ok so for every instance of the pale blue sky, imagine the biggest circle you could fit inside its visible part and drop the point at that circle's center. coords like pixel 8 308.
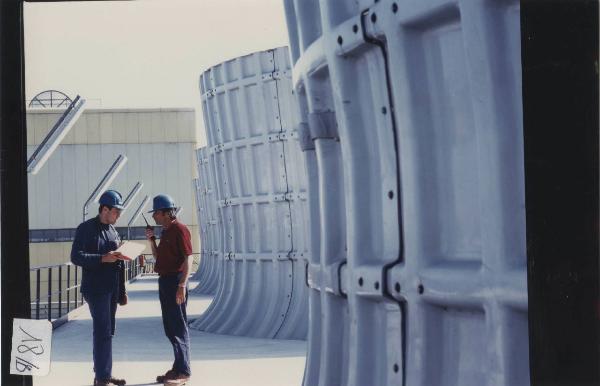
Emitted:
pixel 145 53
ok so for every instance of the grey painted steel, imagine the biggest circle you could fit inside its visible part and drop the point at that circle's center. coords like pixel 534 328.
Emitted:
pixel 411 129
pixel 131 195
pixel 136 214
pixel 207 273
pixel 258 183
pixel 104 183
pixel 55 135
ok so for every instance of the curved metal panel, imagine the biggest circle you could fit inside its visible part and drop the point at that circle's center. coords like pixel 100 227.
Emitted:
pixel 260 197
pixel 207 273
pixel 411 130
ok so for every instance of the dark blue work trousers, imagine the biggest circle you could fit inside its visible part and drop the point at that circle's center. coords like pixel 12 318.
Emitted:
pixel 174 319
pixel 103 307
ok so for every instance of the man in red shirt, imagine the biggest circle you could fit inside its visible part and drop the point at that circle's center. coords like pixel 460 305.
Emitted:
pixel 173 265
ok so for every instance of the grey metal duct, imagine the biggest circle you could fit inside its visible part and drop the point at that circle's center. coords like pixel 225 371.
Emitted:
pixel 412 136
pixel 259 190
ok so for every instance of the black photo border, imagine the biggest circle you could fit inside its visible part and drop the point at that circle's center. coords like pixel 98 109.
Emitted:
pixel 559 48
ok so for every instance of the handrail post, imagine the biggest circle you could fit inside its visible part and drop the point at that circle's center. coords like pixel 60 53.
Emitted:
pixel 37 293
pixel 68 288
pixel 82 300
pixel 59 291
pixel 81 295
pixel 49 306
pixel 76 288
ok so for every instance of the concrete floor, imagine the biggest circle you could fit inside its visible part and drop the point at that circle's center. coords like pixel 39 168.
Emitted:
pixel 141 351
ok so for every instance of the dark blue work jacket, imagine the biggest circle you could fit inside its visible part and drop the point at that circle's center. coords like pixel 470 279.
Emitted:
pixel 93 240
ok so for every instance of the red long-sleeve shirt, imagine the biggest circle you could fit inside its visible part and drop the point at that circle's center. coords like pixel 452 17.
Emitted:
pixel 173 249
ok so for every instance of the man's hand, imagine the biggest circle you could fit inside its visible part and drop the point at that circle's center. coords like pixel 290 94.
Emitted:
pixel 150 234
pixel 113 256
pixel 180 296
pixel 123 300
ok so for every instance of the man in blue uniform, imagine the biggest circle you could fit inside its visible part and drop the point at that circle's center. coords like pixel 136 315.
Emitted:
pixel 94 249
pixel 173 264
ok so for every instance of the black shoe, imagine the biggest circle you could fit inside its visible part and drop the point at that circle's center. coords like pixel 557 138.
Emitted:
pixel 101 382
pixel 117 381
pixel 177 379
pixel 169 374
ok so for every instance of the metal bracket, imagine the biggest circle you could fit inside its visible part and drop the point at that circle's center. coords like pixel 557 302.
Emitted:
pixel 328 279
pixel 322 125
pixel 279 197
pixel 276 137
pixel 304 138
pixel 368 280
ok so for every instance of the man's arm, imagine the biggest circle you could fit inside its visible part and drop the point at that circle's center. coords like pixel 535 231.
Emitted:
pixel 78 254
pixel 152 240
pixel 187 267
pixel 87 259
pixel 185 246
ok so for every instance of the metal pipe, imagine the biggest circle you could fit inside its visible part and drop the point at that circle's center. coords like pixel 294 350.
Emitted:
pixel 68 288
pixel 105 182
pixel 55 135
pixel 59 291
pixel 37 293
pixel 136 215
pixel 76 288
pixel 136 189
pixel 49 306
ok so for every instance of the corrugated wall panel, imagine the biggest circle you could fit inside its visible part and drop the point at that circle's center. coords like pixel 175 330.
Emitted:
pixel 414 125
pixel 61 188
pixel 58 191
pixel 118 126
pixel 262 290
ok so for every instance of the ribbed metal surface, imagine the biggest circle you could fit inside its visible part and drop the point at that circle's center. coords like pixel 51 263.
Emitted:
pixel 117 126
pixel 210 227
pixel 259 190
pixel 411 127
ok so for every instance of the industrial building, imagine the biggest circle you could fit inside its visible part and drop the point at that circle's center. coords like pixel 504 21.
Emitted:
pixel 159 145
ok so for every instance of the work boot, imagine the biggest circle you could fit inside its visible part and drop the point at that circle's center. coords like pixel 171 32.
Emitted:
pixel 117 381
pixel 101 382
pixel 177 380
pixel 169 374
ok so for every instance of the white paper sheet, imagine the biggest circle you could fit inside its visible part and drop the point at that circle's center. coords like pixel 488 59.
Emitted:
pixel 31 347
pixel 131 249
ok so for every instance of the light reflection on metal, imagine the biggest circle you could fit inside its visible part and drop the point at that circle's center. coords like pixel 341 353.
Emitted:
pixel 105 182
pixel 136 189
pixel 55 135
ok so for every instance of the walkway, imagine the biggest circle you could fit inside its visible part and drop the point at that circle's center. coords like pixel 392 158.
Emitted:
pixel 141 351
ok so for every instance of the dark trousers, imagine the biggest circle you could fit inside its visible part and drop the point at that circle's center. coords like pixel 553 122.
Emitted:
pixel 103 308
pixel 174 318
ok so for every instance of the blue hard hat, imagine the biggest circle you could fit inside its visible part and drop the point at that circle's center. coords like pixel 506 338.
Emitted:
pixel 162 201
pixel 111 198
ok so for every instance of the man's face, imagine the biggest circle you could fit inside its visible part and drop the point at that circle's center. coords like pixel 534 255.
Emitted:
pixel 111 215
pixel 159 217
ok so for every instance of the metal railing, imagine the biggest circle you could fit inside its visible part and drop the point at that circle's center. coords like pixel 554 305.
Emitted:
pixel 62 292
